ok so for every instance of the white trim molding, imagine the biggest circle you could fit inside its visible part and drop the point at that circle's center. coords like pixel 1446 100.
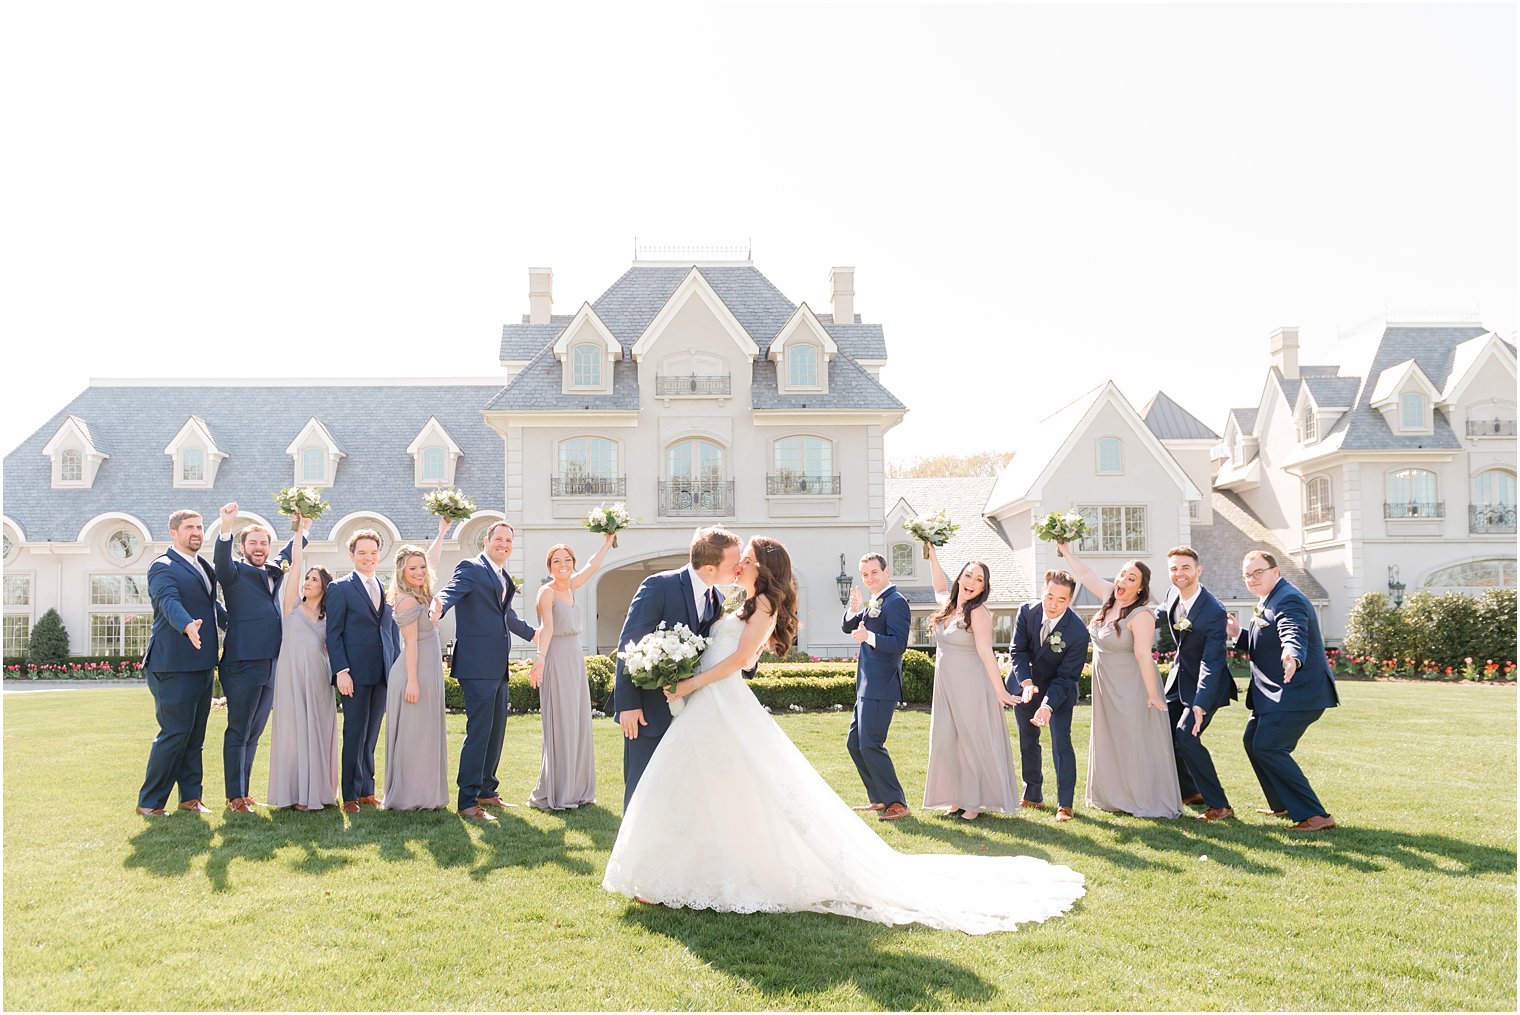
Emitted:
pixel 695 287
pixel 74 435
pixel 315 435
pixel 195 435
pixel 431 437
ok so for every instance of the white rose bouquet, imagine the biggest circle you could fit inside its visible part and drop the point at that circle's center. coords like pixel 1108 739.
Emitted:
pixel 301 500
pixel 663 658
pixel 604 519
pixel 450 504
pixel 1058 527
pixel 935 528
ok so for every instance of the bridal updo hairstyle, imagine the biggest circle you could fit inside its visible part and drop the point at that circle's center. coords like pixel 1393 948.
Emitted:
pixel 1141 598
pixel 774 581
pixel 948 610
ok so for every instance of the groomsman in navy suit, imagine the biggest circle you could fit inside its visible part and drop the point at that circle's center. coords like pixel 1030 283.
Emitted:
pixel 179 665
pixel 880 626
pixel 1049 649
pixel 689 596
pixel 1199 683
pixel 1291 686
pixel 249 648
pixel 362 642
pixel 482 591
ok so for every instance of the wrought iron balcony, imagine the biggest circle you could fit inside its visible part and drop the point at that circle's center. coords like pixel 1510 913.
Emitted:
pixel 1415 509
pixel 1490 428
pixel 796 482
pixel 696 497
pixel 1319 516
pixel 693 385
pixel 588 486
pixel 1490 518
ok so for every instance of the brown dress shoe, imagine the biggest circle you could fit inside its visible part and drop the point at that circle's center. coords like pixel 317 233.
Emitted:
pixel 1269 812
pixel 1063 814
pixel 351 806
pixel 477 812
pixel 195 806
pixel 1032 803
pixel 238 805
pixel 871 807
pixel 493 801
pixel 151 812
pixel 251 802
pixel 370 799
pixel 1216 813
pixel 1317 823
pixel 892 812
pixel 1196 798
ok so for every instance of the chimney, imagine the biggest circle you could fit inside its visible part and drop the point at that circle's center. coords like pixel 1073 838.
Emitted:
pixel 1282 344
pixel 842 281
pixel 540 295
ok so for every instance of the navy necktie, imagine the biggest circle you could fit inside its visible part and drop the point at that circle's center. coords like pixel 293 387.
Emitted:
pixel 710 612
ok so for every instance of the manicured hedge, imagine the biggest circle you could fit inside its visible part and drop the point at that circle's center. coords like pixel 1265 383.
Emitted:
pixel 1449 636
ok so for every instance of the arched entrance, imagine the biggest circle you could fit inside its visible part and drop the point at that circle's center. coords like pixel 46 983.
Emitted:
pixel 612 591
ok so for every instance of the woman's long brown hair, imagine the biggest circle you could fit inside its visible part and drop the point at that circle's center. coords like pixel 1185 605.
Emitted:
pixel 775 582
pixel 948 610
pixel 1141 598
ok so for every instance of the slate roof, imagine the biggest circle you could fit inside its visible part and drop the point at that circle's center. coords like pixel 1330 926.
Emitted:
pixel 373 422
pixel 1171 422
pixel 1245 420
pixel 962 498
pixel 1334 391
pixel 630 303
pixel 1364 428
pixel 1235 532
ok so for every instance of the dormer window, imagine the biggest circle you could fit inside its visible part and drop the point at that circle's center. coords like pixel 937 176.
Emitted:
pixel 192 466
pixel 75 455
pixel 434 455
pixel 1412 411
pixel 586 365
pixel 1110 456
pixel 802 351
pixel 433 463
pixel 315 455
pixel 194 455
pixel 1308 425
pixel 313 466
pixel 802 363
pixel 71 466
pixel 586 351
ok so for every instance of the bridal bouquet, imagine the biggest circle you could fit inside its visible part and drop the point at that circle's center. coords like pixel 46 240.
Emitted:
pixel 604 519
pixel 303 501
pixel 663 658
pixel 450 504
pixel 935 528
pixel 1061 528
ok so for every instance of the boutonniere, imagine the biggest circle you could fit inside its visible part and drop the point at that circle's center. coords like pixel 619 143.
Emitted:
pixel 1183 625
pixel 1056 642
pixel 873 607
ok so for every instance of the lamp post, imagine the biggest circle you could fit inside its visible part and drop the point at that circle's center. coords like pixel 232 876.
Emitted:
pixel 1395 587
pixel 845 583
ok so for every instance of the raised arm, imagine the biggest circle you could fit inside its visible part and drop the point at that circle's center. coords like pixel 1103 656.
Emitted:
pixel 221 554
pixel 1142 627
pixel 1084 573
pixel 941 586
pixel 435 548
pixel 593 565
pixel 295 578
pixel 756 630
pixel 981 636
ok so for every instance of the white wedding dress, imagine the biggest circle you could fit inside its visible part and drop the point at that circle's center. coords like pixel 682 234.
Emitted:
pixel 730 816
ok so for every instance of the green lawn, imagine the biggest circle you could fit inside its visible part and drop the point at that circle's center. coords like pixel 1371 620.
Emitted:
pixel 1409 905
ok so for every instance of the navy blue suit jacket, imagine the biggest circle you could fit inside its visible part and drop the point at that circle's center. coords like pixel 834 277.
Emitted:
pixel 360 639
pixel 254 624
pixel 667 597
pixel 483 622
pixel 878 671
pixel 179 597
pixel 1200 672
pixel 1287 622
pixel 1058 674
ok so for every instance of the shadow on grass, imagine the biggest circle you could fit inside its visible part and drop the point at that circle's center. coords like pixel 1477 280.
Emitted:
pixel 523 837
pixel 802 954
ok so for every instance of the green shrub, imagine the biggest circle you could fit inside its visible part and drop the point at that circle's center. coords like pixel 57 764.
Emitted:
pixel 1374 629
pixel 1494 626
pixel 823 690
pixel 917 677
pixel 49 643
pixel 1433 635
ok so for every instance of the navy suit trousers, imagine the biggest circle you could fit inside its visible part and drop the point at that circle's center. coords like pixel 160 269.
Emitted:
pixel 1269 741
pixel 182 703
pixel 1195 767
pixel 867 744
pixel 485 726
pixel 249 687
pixel 1062 755
pixel 362 714
pixel 636 755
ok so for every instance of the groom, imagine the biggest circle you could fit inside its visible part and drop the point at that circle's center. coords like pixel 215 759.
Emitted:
pixel 689 596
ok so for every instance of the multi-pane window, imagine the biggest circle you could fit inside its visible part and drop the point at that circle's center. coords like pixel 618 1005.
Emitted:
pixel 902 559
pixel 433 462
pixel 1412 411
pixel 1413 491
pixel 1318 505
pixel 588 458
pixel 313 465
pixel 696 460
pixel 18 613
pixel 120 615
pixel 18 590
pixel 1114 528
pixel 1110 456
pixel 16 634
pixel 1475 574
pixel 803 365
pixel 192 465
pixel 122 544
pixel 1002 628
pixel 805 456
pixel 1309 425
pixel 71 465
pixel 586 365
pixel 1494 489
pixel 9 546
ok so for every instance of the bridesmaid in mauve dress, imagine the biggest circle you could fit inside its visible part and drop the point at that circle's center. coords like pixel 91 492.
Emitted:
pixel 970 761
pixel 567 772
pixel 416 742
pixel 1131 764
pixel 303 762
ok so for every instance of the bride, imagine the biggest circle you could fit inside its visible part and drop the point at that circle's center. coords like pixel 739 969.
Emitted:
pixel 730 815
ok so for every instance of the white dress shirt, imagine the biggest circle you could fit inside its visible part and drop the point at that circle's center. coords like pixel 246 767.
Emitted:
pixel 878 596
pixel 699 589
pixel 195 562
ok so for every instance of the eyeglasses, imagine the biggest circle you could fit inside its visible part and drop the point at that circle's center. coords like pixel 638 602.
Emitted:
pixel 1251 576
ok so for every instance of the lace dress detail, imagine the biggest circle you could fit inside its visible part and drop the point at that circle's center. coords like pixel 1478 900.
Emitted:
pixel 730 816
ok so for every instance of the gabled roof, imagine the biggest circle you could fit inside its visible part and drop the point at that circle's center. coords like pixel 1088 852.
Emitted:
pixel 539 387
pixel 1394 379
pixel 850 387
pixel 1433 350
pixel 585 320
pixel 73 424
pixel 695 286
pixel 979 538
pixel 252 424
pixel 1171 422
pixel 802 321
pixel 320 430
pixel 1333 392
pixel 1235 532
pixel 434 427
pixel 1245 420
pixel 1466 357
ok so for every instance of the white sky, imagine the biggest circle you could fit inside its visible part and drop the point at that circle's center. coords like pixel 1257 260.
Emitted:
pixel 1035 198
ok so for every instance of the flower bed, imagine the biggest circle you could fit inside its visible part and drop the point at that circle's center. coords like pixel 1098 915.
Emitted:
pixel 76 669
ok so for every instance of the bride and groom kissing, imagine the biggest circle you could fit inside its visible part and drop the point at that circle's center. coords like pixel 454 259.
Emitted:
pixel 722 811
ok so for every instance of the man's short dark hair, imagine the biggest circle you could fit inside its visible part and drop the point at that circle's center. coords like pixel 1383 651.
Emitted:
pixel 880 560
pixel 1264 555
pixel 1062 578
